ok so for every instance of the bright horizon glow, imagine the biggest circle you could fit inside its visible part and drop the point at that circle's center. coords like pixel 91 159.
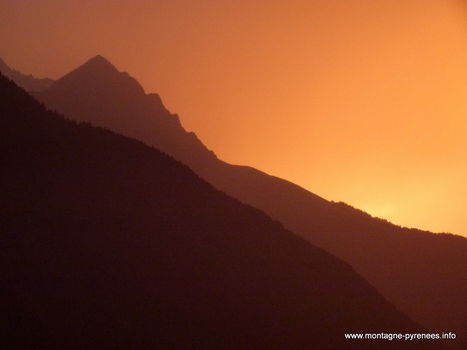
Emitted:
pixel 359 101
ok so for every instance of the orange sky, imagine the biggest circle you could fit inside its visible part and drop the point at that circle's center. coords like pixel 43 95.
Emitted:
pixel 359 101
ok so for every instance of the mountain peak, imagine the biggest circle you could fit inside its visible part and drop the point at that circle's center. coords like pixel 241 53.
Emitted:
pixel 99 60
pixel 99 64
pixel 99 76
pixel 98 92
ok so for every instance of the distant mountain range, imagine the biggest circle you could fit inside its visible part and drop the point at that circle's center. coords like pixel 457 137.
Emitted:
pixel 28 82
pixel 420 272
pixel 107 243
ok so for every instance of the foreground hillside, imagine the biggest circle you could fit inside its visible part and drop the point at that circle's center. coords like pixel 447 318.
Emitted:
pixel 420 272
pixel 107 243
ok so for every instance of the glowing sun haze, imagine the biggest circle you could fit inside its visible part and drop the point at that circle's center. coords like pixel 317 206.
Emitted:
pixel 359 101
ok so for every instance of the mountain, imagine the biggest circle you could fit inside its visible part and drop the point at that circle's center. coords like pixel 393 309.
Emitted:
pixel 115 96
pixel 28 82
pixel 417 271
pixel 107 243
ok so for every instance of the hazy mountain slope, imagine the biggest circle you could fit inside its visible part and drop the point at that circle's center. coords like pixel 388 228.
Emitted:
pixel 429 268
pixel 108 243
pixel 28 82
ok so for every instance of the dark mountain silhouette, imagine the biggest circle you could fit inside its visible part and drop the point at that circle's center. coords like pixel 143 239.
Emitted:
pixel 420 272
pixel 28 82
pixel 107 243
